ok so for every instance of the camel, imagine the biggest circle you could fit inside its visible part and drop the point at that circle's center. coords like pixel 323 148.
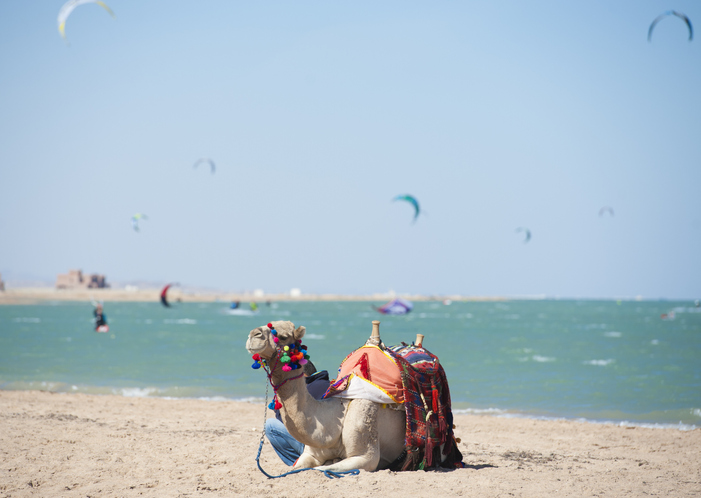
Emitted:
pixel 338 434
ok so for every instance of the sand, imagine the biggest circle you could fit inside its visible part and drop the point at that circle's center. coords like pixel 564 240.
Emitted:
pixel 86 445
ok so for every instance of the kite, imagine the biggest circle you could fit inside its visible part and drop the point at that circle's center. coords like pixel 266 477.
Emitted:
pixel 412 200
pixel 68 8
pixel 528 233
pixel 395 307
pixel 606 209
pixel 135 220
pixel 205 160
pixel 671 13
pixel 164 298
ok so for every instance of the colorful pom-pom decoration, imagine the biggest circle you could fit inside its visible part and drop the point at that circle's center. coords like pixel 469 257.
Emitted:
pixel 278 405
pixel 256 357
pixel 276 340
pixel 255 366
pixel 270 325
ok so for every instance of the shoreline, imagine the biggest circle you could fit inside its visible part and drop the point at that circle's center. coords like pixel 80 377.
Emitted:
pixel 36 295
pixel 146 393
pixel 78 445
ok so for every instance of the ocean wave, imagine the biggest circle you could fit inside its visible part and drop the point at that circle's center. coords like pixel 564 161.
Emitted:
pixel 687 310
pixel 27 320
pixel 320 337
pixel 624 423
pixel 613 334
pixel 479 411
pixel 599 363
pixel 181 321
pixel 542 359
pixel 135 392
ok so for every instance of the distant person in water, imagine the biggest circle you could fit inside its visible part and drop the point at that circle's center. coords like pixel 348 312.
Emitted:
pixel 234 304
pixel 254 306
pixel 100 318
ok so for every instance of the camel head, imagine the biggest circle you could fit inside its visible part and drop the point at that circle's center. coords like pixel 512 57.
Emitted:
pixel 261 341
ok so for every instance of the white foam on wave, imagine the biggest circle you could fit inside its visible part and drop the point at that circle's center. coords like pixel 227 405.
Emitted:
pixel 542 359
pixel 696 412
pixel 181 321
pixel 687 310
pixel 320 337
pixel 647 425
pixel 480 411
pixel 654 342
pixel 613 333
pixel 599 363
pixel 135 392
pixel 27 320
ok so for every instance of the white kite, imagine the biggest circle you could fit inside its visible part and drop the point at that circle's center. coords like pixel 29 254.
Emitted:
pixel 68 8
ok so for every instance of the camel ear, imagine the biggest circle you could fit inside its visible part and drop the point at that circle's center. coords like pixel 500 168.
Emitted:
pixel 299 332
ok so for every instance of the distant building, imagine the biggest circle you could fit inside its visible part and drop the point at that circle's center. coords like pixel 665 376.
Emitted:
pixel 75 279
pixel 2 284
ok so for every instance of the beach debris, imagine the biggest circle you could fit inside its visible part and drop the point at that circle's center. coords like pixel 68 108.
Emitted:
pixel 135 220
pixel 527 233
pixel 411 200
pixel 164 295
pixel 205 160
pixel 68 8
pixel 681 16
pixel 395 307
pixel 606 209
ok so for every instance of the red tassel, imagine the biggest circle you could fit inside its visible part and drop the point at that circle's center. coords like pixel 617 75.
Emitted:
pixel 442 427
pixel 428 453
pixel 278 405
pixel 364 367
pixel 434 395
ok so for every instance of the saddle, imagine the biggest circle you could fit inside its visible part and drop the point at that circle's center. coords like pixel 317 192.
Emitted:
pixel 411 378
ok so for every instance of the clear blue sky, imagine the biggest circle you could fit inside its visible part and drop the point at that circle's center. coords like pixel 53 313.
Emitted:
pixel 495 115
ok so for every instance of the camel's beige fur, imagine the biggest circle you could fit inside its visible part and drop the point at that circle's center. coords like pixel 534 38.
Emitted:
pixel 338 434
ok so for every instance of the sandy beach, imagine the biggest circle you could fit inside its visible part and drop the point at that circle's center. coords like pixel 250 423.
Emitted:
pixel 83 445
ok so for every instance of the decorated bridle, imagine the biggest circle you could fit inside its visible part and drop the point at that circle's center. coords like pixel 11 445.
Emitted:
pixel 292 356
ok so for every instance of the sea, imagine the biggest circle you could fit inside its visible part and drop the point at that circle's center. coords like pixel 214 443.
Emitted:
pixel 618 362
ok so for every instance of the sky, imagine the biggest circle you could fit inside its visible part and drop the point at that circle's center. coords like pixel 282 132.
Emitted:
pixel 495 115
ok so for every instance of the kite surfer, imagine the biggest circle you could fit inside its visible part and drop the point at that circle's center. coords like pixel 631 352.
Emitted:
pixel 254 306
pixel 100 319
pixel 235 304
pixel 395 307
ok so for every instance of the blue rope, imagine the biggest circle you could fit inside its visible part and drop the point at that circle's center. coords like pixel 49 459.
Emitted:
pixel 328 473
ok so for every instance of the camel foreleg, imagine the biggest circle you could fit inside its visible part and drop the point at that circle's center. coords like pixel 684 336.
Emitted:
pixel 360 439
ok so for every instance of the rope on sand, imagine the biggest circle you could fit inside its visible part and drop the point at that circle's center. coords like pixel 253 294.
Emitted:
pixel 328 473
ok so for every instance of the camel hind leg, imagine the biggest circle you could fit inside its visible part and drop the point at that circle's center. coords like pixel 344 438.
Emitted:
pixel 360 438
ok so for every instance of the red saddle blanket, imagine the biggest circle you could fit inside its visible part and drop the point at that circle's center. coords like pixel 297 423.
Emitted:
pixel 412 376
